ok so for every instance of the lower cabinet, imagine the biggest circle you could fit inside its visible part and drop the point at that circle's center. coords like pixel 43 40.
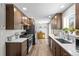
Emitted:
pixel 56 49
pixel 16 49
pixel 49 41
pixel 53 48
pixel 64 53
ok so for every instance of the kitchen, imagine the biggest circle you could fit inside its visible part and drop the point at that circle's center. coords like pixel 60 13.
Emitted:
pixel 20 33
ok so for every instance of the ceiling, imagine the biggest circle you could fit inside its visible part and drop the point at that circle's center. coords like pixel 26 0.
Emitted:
pixel 42 10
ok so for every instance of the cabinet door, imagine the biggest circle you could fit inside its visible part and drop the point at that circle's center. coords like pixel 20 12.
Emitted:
pixel 24 48
pixel 57 21
pixel 58 50
pixel 53 47
pixel 17 19
pixel 13 49
pixel 9 17
pixel 77 16
pixel 49 41
pixel 64 53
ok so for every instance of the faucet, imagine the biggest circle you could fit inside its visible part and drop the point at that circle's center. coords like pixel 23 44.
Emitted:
pixel 9 38
pixel 16 35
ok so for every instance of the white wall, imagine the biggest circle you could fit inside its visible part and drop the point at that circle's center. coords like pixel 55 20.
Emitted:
pixel 2 42
pixel 2 16
pixel 44 28
pixel 43 23
pixel 2 31
pixel 66 15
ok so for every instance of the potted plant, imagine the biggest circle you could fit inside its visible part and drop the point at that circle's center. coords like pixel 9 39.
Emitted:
pixel 66 30
pixel 66 33
pixel 72 30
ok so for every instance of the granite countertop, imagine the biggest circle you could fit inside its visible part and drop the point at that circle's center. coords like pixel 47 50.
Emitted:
pixel 11 33
pixel 19 40
pixel 70 48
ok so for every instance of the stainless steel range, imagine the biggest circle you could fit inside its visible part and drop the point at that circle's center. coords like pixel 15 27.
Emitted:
pixel 29 41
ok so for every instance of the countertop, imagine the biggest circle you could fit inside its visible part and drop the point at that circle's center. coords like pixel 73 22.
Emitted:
pixel 70 48
pixel 19 40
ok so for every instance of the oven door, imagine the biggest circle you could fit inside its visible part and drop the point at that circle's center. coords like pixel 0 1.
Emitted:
pixel 29 43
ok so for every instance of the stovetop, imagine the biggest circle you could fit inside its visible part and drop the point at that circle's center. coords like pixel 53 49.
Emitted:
pixel 26 36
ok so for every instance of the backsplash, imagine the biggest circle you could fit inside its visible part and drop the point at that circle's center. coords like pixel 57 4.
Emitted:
pixel 57 32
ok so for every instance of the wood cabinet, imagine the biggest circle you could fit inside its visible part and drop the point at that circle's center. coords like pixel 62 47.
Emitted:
pixel 56 49
pixel 64 52
pixel 77 15
pixel 28 24
pixel 16 49
pixel 53 48
pixel 40 35
pixel 57 21
pixel 49 42
pixel 17 19
pixel 9 16
pixel 13 17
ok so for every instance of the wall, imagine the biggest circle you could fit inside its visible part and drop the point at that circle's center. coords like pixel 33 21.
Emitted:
pixel 2 42
pixel 66 16
pixel 42 27
pixel 43 23
pixel 2 29
pixel 50 30
pixel 2 16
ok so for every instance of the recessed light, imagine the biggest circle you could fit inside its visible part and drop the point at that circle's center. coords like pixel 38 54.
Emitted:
pixel 55 16
pixel 24 17
pixel 62 6
pixel 24 8
pixel 14 9
pixel 49 16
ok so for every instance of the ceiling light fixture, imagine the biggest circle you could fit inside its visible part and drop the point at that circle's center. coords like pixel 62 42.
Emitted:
pixel 62 6
pixel 14 9
pixel 55 16
pixel 24 17
pixel 24 8
pixel 49 16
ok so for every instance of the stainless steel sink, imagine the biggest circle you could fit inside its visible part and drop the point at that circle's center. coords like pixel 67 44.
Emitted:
pixel 63 41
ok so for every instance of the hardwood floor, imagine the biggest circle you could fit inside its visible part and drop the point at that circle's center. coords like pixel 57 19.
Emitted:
pixel 41 49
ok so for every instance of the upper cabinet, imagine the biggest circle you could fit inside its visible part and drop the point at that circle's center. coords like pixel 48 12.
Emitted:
pixel 15 19
pixel 27 24
pixel 57 21
pixel 77 15
pixel 9 16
